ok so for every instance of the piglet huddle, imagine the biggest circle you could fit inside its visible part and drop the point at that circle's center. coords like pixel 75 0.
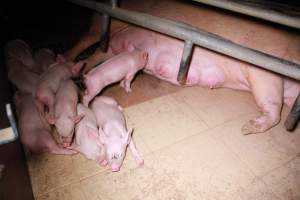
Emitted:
pixel 47 98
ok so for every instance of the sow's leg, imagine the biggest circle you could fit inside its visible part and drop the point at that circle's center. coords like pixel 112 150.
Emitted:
pixel 267 89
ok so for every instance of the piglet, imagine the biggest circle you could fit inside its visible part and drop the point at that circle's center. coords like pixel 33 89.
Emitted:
pixel 25 80
pixel 50 81
pixel 20 50
pixel 113 132
pixel 35 132
pixel 86 138
pixel 65 111
pixel 44 58
pixel 122 68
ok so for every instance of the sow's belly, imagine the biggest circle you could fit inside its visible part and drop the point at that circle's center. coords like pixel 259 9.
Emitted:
pixel 206 67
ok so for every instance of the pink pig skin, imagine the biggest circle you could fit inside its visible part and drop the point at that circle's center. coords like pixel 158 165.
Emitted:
pixel 25 80
pixel 113 132
pixel 210 69
pixel 44 58
pixel 122 67
pixel 213 70
pixel 50 81
pixel 20 50
pixel 35 132
pixel 65 111
pixel 86 138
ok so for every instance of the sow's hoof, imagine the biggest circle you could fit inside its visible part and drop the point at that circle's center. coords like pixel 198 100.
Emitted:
pixel 259 125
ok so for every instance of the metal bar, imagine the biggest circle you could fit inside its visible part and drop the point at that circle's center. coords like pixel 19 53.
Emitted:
pixel 199 37
pixel 294 115
pixel 10 133
pixel 255 11
pixel 185 62
pixel 104 35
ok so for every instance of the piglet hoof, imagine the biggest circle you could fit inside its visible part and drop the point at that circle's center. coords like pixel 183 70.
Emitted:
pixel 140 163
pixel 103 163
pixel 66 145
pixel 120 108
pixel 127 90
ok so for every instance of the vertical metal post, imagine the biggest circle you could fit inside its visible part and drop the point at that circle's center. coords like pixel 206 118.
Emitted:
pixel 294 115
pixel 104 35
pixel 185 62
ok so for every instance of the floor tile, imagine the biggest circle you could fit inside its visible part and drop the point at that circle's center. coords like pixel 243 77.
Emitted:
pixel 202 168
pixel 69 192
pixel 261 152
pixel 49 172
pixel 285 180
pixel 217 106
pixel 163 121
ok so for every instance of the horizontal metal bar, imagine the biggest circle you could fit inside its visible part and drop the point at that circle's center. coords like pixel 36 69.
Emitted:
pixel 255 11
pixel 199 37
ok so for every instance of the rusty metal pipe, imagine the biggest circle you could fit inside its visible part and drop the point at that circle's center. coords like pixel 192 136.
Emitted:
pixel 185 62
pixel 294 115
pixel 255 11
pixel 199 37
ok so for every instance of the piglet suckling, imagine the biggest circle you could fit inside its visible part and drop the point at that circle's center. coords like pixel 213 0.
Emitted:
pixel 113 132
pixel 86 139
pixel 51 80
pixel 122 67
pixel 35 132
pixel 65 111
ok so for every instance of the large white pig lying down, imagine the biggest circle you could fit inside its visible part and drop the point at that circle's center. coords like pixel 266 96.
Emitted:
pixel 50 81
pixel 35 132
pixel 122 67
pixel 213 70
pixel 86 140
pixel 65 111
pixel 113 132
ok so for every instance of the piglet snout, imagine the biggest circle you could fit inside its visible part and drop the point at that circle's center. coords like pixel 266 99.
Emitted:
pixel 115 168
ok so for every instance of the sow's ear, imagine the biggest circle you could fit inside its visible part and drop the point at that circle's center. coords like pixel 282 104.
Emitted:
pixel 127 137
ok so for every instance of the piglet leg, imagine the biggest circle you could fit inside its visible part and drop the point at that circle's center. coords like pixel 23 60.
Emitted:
pixel 126 83
pixel 267 89
pixel 139 160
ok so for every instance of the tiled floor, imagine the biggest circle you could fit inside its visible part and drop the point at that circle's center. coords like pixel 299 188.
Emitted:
pixel 193 149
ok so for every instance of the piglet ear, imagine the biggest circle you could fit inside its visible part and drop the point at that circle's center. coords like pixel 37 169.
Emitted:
pixel 102 136
pixel 127 137
pixel 50 118
pixel 77 67
pixel 77 118
pixel 60 58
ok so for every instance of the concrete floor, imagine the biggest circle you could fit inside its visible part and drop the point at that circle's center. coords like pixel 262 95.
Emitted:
pixel 193 149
